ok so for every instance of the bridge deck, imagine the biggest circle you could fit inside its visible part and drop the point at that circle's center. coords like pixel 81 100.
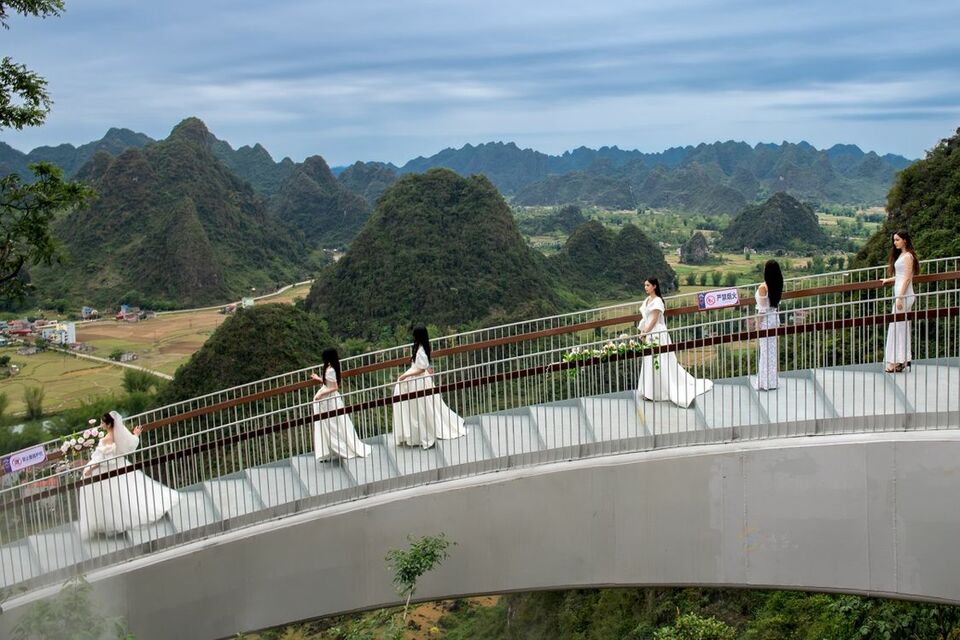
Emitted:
pixel 808 402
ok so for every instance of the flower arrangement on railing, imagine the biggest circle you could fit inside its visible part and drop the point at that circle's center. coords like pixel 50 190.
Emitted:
pixel 610 349
pixel 75 445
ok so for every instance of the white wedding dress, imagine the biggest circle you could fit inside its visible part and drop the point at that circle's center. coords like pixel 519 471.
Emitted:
pixel 669 381
pixel 122 502
pixel 335 436
pixel 767 363
pixel 420 421
pixel 899 349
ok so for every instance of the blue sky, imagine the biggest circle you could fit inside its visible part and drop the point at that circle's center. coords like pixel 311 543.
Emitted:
pixel 393 80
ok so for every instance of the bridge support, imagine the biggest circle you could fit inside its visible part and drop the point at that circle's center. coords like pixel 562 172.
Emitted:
pixel 869 514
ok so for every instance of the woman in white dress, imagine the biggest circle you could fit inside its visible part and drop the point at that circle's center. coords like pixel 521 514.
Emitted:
pixel 125 501
pixel 768 297
pixel 334 436
pixel 668 381
pixel 901 268
pixel 418 422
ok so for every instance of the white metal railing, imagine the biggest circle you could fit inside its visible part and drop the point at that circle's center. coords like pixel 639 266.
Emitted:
pixel 523 409
pixel 251 399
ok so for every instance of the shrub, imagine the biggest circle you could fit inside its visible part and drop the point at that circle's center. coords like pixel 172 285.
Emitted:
pixel 33 398
pixel 136 380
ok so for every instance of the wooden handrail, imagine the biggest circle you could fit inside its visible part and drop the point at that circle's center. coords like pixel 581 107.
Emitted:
pixel 553 367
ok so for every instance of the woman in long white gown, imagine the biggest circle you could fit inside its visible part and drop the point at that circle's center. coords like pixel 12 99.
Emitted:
pixel 902 267
pixel 125 501
pixel 665 379
pixel 420 421
pixel 768 297
pixel 334 436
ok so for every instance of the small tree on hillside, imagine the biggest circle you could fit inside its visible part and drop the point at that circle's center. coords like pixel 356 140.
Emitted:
pixel 33 398
pixel 716 277
pixel 409 565
pixel 703 279
pixel 137 381
pixel 691 626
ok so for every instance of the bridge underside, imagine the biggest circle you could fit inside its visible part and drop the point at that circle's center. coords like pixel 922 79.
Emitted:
pixel 821 401
pixel 869 514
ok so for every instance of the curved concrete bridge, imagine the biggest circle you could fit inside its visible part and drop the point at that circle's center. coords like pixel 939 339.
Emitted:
pixel 842 479
pixel 868 513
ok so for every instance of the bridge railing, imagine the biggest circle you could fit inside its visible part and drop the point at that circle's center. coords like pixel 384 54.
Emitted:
pixel 466 349
pixel 531 408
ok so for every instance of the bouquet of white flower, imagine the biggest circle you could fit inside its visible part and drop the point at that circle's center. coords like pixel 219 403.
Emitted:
pixel 73 446
pixel 611 349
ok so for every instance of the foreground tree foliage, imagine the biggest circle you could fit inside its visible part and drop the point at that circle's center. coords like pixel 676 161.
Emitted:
pixel 26 210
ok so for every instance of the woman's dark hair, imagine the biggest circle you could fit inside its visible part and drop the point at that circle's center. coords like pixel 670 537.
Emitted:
pixel 774 279
pixel 420 339
pixel 656 286
pixel 895 253
pixel 107 419
pixel 330 359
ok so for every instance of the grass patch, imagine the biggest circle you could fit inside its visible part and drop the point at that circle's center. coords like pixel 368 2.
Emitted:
pixel 67 381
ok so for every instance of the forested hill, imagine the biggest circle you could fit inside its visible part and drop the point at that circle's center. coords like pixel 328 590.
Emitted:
pixel 925 200
pixel 438 249
pixel 368 179
pixel 171 226
pixel 782 222
pixel 597 263
pixel 68 157
pixel 253 164
pixel 323 211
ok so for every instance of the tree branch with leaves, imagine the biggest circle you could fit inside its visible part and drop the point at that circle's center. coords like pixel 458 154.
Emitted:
pixel 409 565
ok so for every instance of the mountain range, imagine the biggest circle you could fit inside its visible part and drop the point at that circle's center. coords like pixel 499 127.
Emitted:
pixel 718 177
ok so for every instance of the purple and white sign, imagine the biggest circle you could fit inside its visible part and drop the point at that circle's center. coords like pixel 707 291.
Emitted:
pixel 718 298
pixel 25 458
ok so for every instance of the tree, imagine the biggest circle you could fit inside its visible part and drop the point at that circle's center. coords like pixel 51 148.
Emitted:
pixel 423 555
pixel 691 626
pixel 26 210
pixel 23 95
pixel 69 614
pixel 730 279
pixel 138 381
pixel 716 277
pixel 33 398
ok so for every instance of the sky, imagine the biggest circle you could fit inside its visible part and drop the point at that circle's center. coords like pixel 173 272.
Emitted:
pixel 390 81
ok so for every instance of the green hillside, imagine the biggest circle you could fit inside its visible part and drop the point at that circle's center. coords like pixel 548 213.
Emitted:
pixel 438 249
pixel 252 344
pixel 368 179
pixel 926 201
pixel 598 263
pixel 171 227
pixel 313 203
pixel 782 222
